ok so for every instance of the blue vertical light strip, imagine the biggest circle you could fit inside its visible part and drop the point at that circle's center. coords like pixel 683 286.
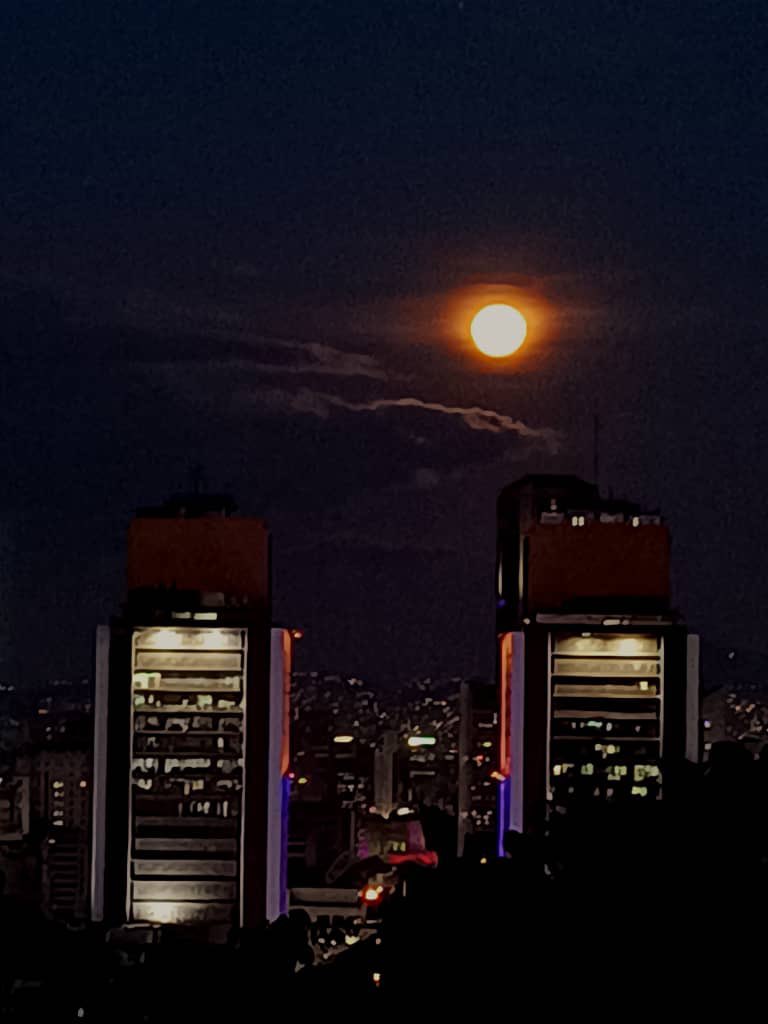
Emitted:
pixel 284 818
pixel 503 813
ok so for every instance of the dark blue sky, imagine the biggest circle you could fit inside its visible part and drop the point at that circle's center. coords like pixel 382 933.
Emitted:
pixel 227 227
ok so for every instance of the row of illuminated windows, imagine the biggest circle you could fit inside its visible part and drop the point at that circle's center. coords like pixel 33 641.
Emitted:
pixel 553 517
pixel 187 743
pixel 614 772
pixel 170 763
pixel 186 683
pixel 201 702
pixel 183 639
pixel 608 792
pixel 180 723
pixel 208 807
pixel 630 731
pixel 606 644
pixel 185 787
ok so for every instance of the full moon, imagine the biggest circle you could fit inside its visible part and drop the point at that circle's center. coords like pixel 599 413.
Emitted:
pixel 498 330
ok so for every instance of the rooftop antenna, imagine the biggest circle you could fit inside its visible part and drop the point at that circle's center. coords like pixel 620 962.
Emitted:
pixel 596 449
pixel 197 478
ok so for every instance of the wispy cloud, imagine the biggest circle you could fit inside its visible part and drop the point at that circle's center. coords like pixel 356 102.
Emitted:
pixel 219 336
pixel 475 417
pixel 322 360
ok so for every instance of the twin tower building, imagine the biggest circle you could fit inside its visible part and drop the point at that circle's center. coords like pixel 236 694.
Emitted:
pixel 597 694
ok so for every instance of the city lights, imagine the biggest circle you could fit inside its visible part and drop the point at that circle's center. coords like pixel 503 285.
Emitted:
pixel 422 741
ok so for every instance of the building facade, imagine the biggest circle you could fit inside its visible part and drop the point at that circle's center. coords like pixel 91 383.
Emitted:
pixel 61 797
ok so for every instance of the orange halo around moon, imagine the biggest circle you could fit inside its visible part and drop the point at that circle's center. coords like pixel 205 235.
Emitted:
pixel 498 330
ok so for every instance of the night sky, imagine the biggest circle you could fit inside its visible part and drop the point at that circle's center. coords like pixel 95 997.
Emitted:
pixel 236 234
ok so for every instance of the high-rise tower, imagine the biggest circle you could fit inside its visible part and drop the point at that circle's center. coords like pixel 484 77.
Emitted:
pixel 191 726
pixel 598 675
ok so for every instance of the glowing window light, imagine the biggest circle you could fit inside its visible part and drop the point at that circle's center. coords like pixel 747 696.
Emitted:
pixel 631 645
pixel 213 638
pixel 164 638
pixel 639 791
pixel 421 741
pixel 343 738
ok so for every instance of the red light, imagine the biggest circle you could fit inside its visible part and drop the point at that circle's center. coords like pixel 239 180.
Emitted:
pixel 372 893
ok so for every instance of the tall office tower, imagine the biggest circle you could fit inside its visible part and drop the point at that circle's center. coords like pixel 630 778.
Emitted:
pixel 385 773
pixel 478 763
pixel 598 675
pixel 191 725
pixel 60 799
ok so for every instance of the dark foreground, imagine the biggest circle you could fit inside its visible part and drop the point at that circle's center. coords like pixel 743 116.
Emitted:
pixel 623 914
